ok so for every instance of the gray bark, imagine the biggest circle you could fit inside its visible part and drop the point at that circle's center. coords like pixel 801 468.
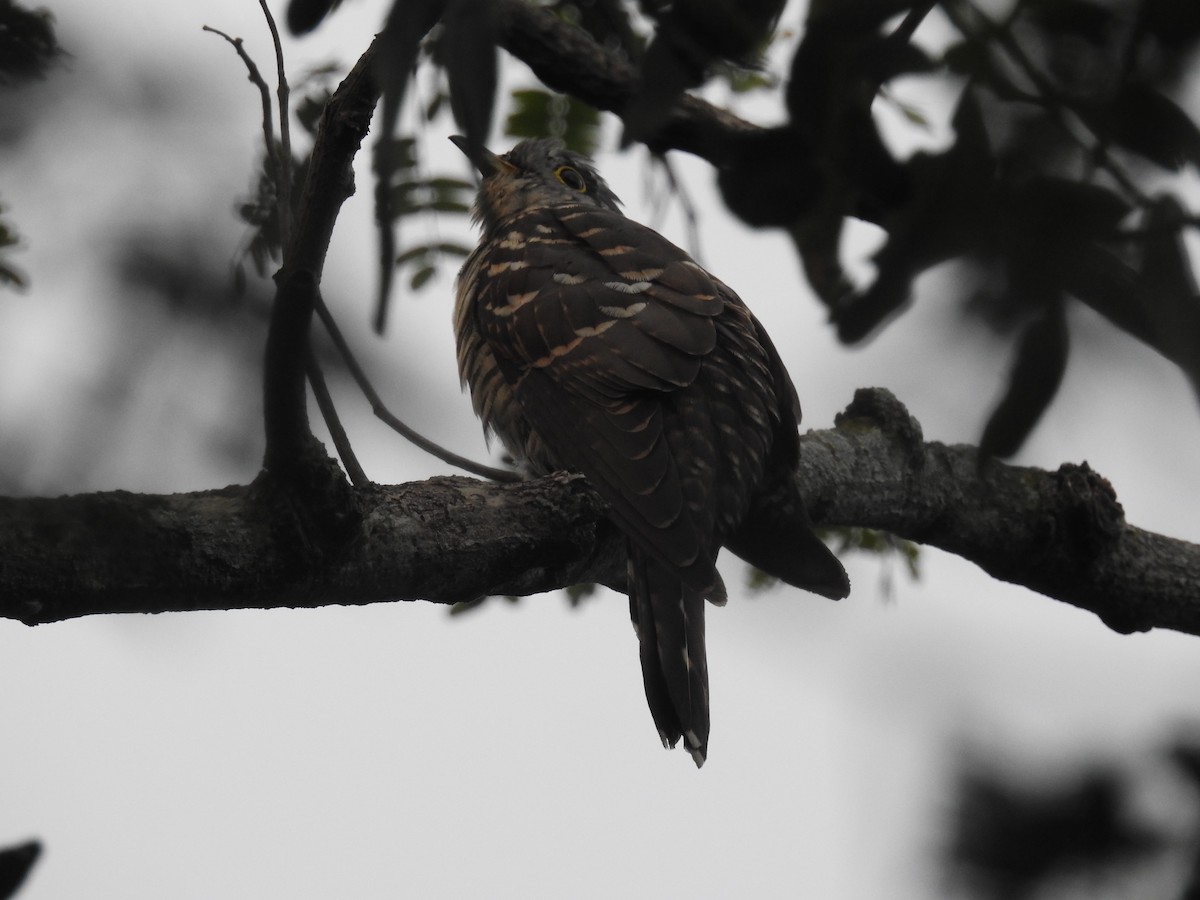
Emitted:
pixel 451 539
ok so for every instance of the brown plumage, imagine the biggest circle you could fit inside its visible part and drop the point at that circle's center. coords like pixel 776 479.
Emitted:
pixel 592 343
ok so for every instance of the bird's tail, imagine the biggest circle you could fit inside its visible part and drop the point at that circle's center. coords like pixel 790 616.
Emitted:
pixel 668 616
pixel 777 537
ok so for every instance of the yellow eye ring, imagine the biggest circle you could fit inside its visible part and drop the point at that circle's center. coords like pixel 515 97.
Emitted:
pixel 571 178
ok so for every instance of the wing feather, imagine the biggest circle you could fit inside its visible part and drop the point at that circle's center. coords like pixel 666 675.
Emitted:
pixel 596 343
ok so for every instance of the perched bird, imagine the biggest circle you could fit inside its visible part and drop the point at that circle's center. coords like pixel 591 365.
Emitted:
pixel 592 344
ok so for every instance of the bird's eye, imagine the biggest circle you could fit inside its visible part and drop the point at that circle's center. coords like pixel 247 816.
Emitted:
pixel 571 178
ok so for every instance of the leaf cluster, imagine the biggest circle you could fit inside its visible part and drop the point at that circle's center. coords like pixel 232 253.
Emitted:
pixel 1051 193
pixel 261 212
pixel 28 44
pixel 10 275
pixel 457 39
pixel 1014 835
pixel 1060 186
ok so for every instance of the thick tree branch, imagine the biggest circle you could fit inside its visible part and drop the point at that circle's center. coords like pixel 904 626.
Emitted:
pixel 450 539
pixel 445 540
pixel 1062 533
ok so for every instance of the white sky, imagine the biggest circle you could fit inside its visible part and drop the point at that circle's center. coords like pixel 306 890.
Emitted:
pixel 390 751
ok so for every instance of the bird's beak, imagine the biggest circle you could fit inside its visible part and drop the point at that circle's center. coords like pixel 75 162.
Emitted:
pixel 485 160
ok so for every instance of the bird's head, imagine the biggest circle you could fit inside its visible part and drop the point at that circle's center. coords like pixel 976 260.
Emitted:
pixel 536 173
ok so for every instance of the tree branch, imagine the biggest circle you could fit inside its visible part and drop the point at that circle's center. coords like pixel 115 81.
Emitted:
pixel 452 539
pixel 1062 533
pixel 445 540
pixel 318 493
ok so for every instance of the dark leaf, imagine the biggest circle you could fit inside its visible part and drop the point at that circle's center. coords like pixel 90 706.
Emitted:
pixel 691 36
pixel 421 276
pixel 449 186
pixel 538 113
pixel 669 68
pixel 818 240
pixel 950 214
pixel 408 197
pixel 10 275
pixel 857 316
pixel 1168 289
pixel 15 863
pixel 1070 210
pixel 1046 238
pixel 769 177
pixel 397 152
pixel 973 59
pixel 1081 18
pixel 1045 241
pixel 28 44
pixel 407 23
pixel 385 229
pixel 449 206
pixel 843 59
pixel 399 42
pixel 305 15
pixel 578 593
pixel 970 59
pixel 1185 754
pixel 530 115
pixel 428 253
pixel 826 76
pixel 745 81
pixel 411 254
pixel 1173 24
pixel 1036 375
pixel 835 76
pixel 469 606
pixel 261 212
pixel 1109 286
pixel 468 53
pixel 732 30
pixel 1150 124
pixel 310 108
pixel 1013 839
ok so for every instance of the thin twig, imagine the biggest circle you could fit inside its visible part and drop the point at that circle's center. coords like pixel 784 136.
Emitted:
pixel 341 441
pixel 257 80
pixel 283 187
pixel 691 218
pixel 384 414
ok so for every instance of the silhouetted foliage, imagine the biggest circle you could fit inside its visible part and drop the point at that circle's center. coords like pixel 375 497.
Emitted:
pixel 1056 190
pixel 1012 838
pixel 27 43
pixel 15 863
pixel 28 46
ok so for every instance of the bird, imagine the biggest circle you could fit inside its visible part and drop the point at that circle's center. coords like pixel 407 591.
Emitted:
pixel 590 343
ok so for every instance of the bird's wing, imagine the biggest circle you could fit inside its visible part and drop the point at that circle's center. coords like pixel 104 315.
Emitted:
pixel 596 321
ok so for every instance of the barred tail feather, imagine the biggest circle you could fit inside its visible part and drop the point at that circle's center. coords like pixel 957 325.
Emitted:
pixel 669 618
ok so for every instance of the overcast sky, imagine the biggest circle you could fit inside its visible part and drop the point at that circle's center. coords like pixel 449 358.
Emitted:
pixel 391 751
